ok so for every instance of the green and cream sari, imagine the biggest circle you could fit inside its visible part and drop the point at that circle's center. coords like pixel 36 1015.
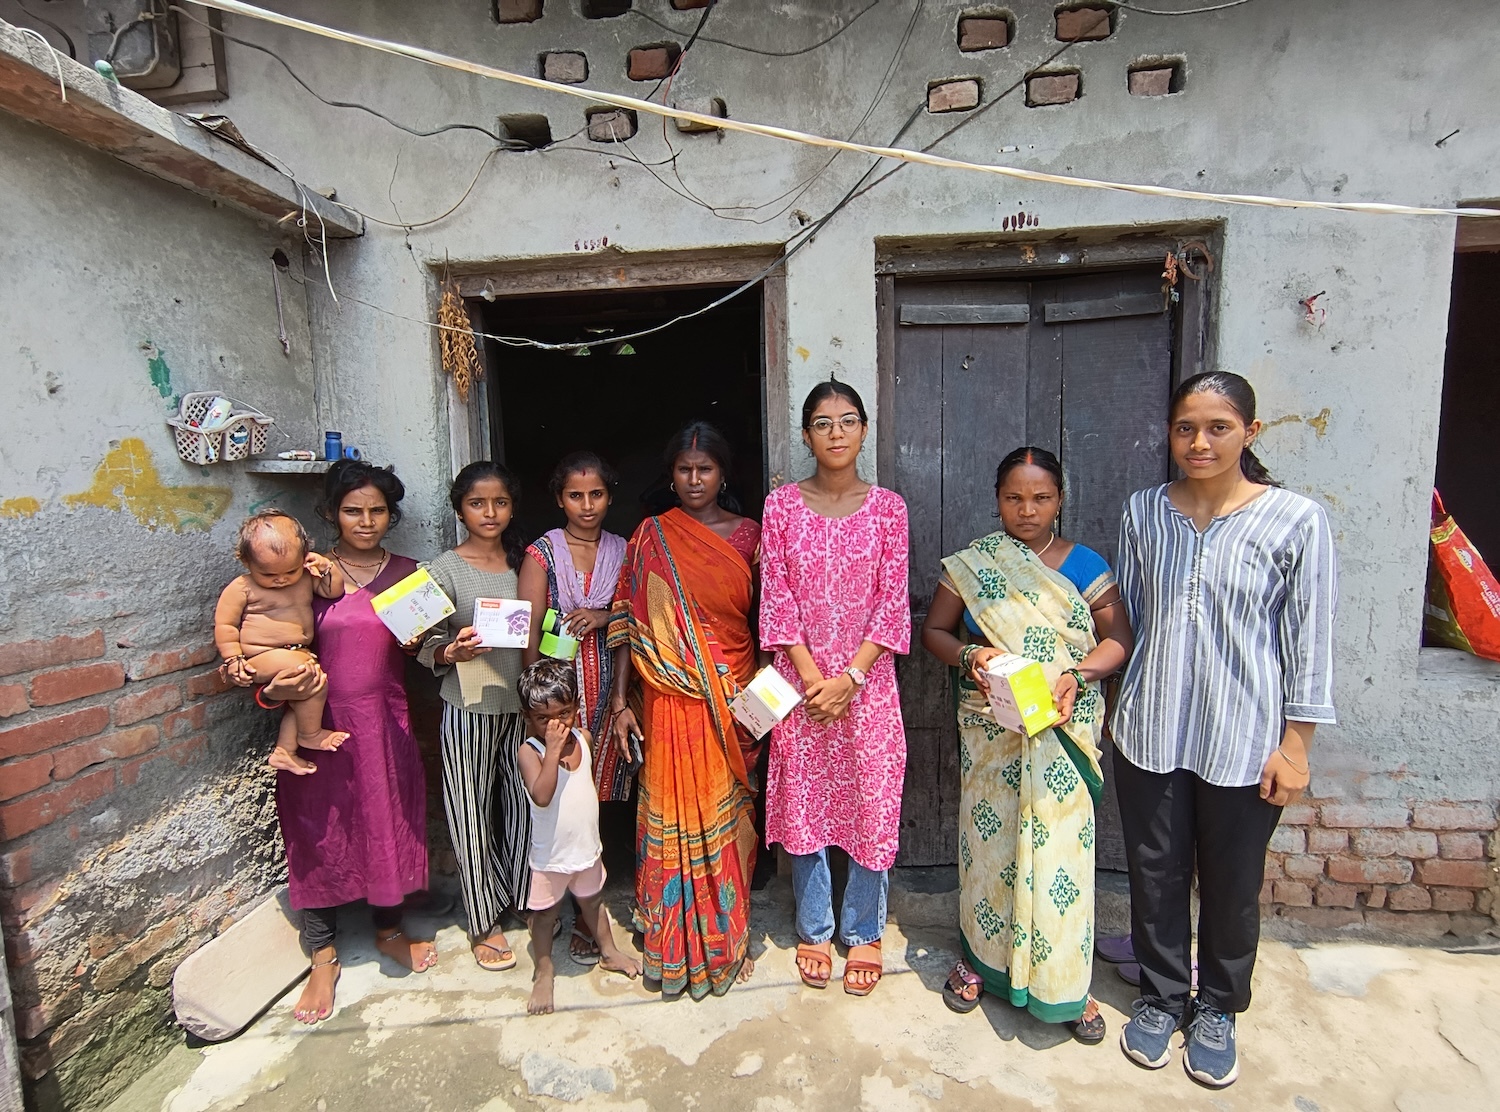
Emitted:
pixel 1026 809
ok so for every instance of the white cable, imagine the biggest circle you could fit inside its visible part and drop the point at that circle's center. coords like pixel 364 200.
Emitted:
pixel 56 58
pixel 769 131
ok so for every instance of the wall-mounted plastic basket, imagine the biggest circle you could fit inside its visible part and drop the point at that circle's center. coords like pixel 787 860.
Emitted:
pixel 242 436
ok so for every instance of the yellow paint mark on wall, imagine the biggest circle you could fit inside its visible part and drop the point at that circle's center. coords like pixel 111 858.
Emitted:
pixel 127 479
pixel 19 507
pixel 802 353
pixel 1319 423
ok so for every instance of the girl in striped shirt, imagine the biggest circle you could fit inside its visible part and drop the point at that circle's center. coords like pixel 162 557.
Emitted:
pixel 1230 583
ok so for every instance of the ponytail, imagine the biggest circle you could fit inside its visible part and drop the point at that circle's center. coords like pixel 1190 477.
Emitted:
pixel 1254 470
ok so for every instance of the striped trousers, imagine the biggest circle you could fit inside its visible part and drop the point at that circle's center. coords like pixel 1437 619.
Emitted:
pixel 489 814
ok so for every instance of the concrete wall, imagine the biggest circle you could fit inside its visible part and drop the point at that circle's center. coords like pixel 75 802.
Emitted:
pixel 135 814
pixel 1347 98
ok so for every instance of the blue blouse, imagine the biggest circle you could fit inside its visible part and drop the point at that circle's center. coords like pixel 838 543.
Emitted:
pixel 1084 568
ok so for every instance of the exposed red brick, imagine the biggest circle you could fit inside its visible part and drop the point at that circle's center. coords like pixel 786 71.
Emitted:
pixel 22 946
pixel 181 754
pixel 1155 82
pixel 1289 839
pixel 1455 874
pixel 74 759
pixel 1083 24
pixel 1274 870
pixel 958 95
pixel 566 67
pixel 1323 918
pixel 982 33
pixel 1299 814
pixel 31 1022
pixel 13 700
pixel 28 656
pixel 34 811
pixel 1267 892
pixel 1328 894
pixel 689 5
pixel 1452 899
pixel 1462 846
pixel 208 683
pixel 1320 840
pixel 518 11
pixel 611 125
pixel 130 709
pixel 1292 893
pixel 20 777
pixel 15 866
pixel 1453 816
pixel 67 684
pixel 1484 902
pixel 652 63
pixel 20 904
pixel 1409 897
pixel 1369 815
pixel 1376 896
pixel 36 736
pixel 1366 870
pixel 187 721
pixel 1303 867
pixel 172 660
pixel 1051 88
pixel 1373 843
pixel 1423 925
pixel 1416 844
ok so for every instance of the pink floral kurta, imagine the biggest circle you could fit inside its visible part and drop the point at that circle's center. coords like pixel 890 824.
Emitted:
pixel 830 584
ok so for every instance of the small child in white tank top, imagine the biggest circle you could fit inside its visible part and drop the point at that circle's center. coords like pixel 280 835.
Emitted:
pixel 556 765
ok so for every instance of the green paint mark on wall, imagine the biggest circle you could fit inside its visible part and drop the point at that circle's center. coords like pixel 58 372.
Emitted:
pixel 156 366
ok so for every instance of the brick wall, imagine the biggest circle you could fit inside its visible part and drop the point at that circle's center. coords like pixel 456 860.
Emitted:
pixel 1385 868
pixel 135 820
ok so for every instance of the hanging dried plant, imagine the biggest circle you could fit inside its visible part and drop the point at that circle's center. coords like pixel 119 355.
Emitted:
pixel 456 337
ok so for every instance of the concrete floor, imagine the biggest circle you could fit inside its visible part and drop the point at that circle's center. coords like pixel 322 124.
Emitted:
pixel 1335 1027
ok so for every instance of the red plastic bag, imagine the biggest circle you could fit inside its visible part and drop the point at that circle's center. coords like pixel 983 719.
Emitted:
pixel 1463 597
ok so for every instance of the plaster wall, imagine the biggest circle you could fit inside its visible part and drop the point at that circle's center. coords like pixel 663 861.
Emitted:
pixel 1342 99
pixel 136 813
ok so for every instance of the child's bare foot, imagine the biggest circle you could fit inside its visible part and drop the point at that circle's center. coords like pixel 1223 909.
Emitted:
pixel 316 1002
pixel 323 739
pixel 747 969
pixel 416 955
pixel 541 993
pixel 286 760
pixel 618 961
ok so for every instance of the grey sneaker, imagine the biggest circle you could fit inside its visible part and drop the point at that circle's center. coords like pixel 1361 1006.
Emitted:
pixel 1210 1057
pixel 1147 1037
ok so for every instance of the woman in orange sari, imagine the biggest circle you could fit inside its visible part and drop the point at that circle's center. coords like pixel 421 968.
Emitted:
pixel 682 624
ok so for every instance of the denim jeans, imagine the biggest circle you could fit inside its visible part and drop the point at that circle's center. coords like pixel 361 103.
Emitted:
pixel 863 913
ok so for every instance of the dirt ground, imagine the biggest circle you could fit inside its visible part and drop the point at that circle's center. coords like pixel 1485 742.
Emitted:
pixel 1335 1027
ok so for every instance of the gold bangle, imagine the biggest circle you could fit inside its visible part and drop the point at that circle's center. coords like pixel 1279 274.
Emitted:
pixel 1291 762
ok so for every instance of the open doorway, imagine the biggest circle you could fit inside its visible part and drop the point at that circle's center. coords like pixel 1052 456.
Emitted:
pixel 624 400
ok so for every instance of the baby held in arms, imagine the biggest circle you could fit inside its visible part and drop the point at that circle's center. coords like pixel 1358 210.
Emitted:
pixel 264 623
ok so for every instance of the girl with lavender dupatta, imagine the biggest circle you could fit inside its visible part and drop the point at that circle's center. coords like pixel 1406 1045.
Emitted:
pixel 574 570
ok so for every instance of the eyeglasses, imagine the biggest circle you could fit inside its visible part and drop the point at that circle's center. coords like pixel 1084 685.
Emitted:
pixel 823 426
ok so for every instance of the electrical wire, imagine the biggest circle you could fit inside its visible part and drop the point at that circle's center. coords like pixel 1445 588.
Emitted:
pixel 770 53
pixel 1179 11
pixel 791 135
pixel 72 50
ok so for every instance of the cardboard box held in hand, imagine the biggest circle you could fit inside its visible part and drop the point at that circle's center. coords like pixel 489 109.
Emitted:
pixel 1020 695
pixel 765 701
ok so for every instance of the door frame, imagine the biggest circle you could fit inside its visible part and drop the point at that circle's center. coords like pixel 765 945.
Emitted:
pixel 1194 339
pixel 470 425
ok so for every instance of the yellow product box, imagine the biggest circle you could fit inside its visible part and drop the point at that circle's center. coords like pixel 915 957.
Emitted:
pixel 412 606
pixel 765 701
pixel 1020 695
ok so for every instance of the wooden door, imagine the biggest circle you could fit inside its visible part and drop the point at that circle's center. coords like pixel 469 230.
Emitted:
pixel 1081 366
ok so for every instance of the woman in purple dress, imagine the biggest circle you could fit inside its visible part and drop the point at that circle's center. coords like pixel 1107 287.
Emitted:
pixel 355 827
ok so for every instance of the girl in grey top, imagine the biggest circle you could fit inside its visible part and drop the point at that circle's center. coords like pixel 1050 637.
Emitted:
pixel 489 817
pixel 1230 583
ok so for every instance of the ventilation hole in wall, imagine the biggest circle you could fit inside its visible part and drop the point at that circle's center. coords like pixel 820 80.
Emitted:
pixel 1084 23
pixel 517 11
pixel 1155 77
pixel 604 9
pixel 566 67
pixel 527 131
pixel 985 29
pixel 610 125
pixel 652 62
pixel 1053 87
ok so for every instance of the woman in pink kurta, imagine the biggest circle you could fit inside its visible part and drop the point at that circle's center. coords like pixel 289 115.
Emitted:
pixel 834 606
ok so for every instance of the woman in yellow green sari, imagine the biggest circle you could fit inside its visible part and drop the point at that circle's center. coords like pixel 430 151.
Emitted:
pixel 1026 805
